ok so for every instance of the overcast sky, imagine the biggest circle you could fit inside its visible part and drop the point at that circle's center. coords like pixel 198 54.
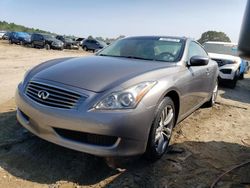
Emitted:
pixel 111 18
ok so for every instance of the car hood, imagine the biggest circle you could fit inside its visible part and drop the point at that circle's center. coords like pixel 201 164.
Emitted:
pixel 54 40
pixel 223 56
pixel 96 73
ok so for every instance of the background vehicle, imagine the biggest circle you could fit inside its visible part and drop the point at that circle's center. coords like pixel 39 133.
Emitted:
pixel 225 54
pixel 68 42
pixel 6 35
pixel 21 38
pixel 92 44
pixel 46 41
pixel 123 101
pixel 2 34
pixel 79 41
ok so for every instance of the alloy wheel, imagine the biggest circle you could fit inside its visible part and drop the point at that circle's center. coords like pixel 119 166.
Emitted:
pixel 164 129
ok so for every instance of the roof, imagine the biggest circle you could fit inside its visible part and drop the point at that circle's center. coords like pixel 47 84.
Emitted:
pixel 157 37
pixel 217 42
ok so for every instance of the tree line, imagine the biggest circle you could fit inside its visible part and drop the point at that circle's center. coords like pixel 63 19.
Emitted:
pixel 206 36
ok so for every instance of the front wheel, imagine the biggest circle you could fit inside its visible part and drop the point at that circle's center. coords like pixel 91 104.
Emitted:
pixel 241 77
pixel 85 48
pixel 161 130
pixel 47 46
pixel 232 83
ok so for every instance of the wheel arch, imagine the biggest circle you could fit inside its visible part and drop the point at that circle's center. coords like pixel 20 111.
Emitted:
pixel 174 95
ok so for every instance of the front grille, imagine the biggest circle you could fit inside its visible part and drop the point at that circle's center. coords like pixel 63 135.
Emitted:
pixel 87 138
pixel 226 71
pixel 56 97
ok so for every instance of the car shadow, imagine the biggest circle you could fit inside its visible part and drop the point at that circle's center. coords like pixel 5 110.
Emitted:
pixel 190 163
pixel 241 93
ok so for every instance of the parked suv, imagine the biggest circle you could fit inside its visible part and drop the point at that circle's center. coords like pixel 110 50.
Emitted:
pixel 45 41
pixel 19 38
pixel 225 54
pixel 92 44
pixel 68 42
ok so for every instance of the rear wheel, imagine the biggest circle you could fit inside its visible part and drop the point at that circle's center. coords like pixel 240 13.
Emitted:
pixel 161 130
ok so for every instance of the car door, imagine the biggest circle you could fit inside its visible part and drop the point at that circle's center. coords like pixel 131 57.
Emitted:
pixel 15 38
pixel 40 41
pixel 35 40
pixel 196 81
pixel 93 44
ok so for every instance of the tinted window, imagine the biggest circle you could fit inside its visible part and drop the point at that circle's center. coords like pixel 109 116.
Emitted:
pixel 196 50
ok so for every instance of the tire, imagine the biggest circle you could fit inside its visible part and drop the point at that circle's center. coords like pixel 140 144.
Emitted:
pixel 241 77
pixel 161 130
pixel 212 100
pixel 47 46
pixel 85 48
pixel 232 83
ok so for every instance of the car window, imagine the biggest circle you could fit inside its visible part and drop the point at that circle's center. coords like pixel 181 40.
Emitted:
pixel 196 50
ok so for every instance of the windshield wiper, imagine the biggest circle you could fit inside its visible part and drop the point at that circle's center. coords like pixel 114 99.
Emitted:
pixel 135 57
pixel 107 55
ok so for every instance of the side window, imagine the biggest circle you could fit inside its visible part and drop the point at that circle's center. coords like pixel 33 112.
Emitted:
pixel 40 37
pixel 196 49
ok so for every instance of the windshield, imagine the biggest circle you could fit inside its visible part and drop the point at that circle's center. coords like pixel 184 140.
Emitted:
pixel 155 48
pixel 49 37
pixel 228 49
pixel 21 34
pixel 68 40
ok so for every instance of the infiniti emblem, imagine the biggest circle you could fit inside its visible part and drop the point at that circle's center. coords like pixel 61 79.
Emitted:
pixel 42 94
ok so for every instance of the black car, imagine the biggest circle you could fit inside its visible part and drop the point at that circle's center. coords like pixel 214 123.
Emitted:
pixel 68 42
pixel 92 44
pixel 19 38
pixel 45 41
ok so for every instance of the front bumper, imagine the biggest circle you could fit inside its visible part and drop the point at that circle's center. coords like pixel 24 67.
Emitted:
pixel 130 127
pixel 227 72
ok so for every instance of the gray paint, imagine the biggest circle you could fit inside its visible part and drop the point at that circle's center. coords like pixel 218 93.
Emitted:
pixel 97 77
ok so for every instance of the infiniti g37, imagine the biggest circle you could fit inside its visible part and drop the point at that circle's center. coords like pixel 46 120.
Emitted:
pixel 123 101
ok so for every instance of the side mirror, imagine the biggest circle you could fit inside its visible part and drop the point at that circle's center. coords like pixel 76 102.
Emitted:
pixel 198 61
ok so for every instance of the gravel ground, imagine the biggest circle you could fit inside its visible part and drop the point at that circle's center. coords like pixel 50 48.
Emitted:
pixel 204 145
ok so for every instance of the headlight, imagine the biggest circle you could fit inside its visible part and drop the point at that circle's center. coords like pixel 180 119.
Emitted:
pixel 125 99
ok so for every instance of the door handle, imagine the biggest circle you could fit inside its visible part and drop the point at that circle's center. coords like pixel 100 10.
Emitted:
pixel 207 72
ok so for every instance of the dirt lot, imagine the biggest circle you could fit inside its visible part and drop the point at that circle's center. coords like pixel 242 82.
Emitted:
pixel 204 145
